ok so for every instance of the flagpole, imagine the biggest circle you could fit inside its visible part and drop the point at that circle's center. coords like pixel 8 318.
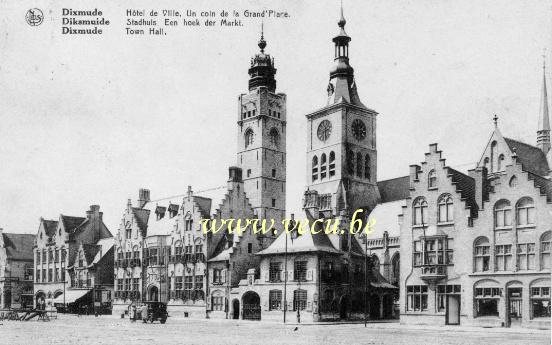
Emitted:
pixel 285 270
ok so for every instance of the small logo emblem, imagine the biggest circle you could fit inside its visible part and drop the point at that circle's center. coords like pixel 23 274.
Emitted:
pixel 34 17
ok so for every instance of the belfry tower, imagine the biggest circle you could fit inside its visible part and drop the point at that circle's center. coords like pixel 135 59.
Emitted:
pixel 262 138
pixel 341 147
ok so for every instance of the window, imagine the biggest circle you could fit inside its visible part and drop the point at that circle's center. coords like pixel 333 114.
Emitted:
pixel 503 257
pixel 249 248
pixel 275 271
pixel 299 299
pixel 56 255
pixel 375 263
pixel 359 164
pixel 416 297
pixel 248 172
pixel 50 275
pixel 120 286
pixel 273 202
pixel 493 155
pixel 540 302
pixel 314 168
pixel 350 162
pixel 135 284
pixel 43 275
pixel 37 259
pixel 300 271
pixel 178 283
pixel 545 250
pixel 367 167
pixel 486 163
pixel 323 166
pixel 432 179
pixel 188 282
pixel 248 137
pixel 217 302
pixel 274 137
pixel 56 274
pixel 217 276
pixel 500 163
pixel 486 301
pixel 433 251
pixel 63 255
pixel 482 255
pixel 198 282
pixel 420 211
pixel 525 212
pixel 37 276
pixel 513 182
pixel 332 164
pixel 526 256
pixel 50 256
pixel 443 291
pixel 188 223
pixel 43 256
pixel 503 214
pixel 273 172
pixel 445 209
pixel 275 299
pixel 128 233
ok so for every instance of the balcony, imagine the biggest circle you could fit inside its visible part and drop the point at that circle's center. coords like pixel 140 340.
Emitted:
pixel 433 273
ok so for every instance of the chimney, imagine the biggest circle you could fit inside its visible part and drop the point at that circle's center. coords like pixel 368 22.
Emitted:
pixel 481 191
pixel 95 217
pixel 143 197
pixel 189 193
pixel 414 173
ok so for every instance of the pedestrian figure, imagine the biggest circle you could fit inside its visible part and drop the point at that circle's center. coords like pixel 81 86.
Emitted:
pixel 298 316
pixel 144 312
pixel 133 314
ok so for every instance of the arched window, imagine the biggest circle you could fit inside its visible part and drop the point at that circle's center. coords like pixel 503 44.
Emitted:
pixel 350 162
pixel 525 212
pixel 420 211
pixel 513 182
pixel 432 179
pixel 375 263
pixel 545 250
pixel 503 214
pixel 274 137
pixel 359 164
pixel 332 164
pixel 323 167
pixel 396 265
pixel 445 209
pixel 482 254
pixel 248 137
pixel 493 156
pixel 486 163
pixel 500 164
pixel 367 167
pixel 314 168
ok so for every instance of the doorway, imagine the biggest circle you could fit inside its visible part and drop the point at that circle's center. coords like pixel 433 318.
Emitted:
pixel 236 309
pixel 154 294
pixel 251 306
pixel 453 310
pixel 514 307
pixel 343 308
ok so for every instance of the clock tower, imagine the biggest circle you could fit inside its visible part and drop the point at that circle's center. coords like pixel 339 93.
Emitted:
pixel 262 139
pixel 341 147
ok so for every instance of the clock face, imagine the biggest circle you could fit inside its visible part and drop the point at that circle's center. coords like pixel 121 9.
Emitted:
pixel 324 130
pixel 359 129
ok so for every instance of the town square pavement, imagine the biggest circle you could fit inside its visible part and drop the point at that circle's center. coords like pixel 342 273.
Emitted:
pixel 110 330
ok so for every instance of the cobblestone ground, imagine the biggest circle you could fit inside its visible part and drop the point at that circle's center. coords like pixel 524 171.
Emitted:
pixel 105 330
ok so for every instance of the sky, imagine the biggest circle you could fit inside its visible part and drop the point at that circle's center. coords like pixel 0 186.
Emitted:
pixel 90 120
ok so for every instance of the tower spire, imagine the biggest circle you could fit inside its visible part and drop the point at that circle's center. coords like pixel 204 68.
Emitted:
pixel 543 132
pixel 262 69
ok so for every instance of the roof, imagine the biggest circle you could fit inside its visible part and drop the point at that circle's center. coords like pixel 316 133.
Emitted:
pixel 532 158
pixel 394 189
pixel 70 223
pixel 90 251
pixel 466 186
pixel 385 218
pixel 50 227
pixel 543 184
pixel 19 246
pixel 141 215
pixel 308 242
pixel 222 256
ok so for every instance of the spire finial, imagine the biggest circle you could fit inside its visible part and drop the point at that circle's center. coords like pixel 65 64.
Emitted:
pixel 495 120
pixel 342 20
pixel 544 59
pixel 262 42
